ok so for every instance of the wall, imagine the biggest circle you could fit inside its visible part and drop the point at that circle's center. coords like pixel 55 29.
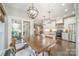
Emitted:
pixel 77 29
pixel 2 33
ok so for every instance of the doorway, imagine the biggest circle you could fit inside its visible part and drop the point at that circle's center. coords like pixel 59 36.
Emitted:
pixel 26 30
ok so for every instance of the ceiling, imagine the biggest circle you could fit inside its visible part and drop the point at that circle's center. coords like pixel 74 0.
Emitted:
pixel 57 9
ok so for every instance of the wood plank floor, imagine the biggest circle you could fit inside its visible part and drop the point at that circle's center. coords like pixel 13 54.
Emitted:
pixel 63 48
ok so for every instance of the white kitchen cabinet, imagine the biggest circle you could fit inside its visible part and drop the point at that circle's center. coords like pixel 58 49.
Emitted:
pixel 65 36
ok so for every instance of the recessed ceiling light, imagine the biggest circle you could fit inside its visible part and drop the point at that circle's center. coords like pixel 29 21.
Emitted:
pixel 63 4
pixel 66 10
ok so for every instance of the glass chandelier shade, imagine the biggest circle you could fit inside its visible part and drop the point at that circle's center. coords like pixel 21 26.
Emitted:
pixel 32 12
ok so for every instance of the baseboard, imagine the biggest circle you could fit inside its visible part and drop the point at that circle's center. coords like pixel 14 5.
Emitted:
pixel 69 41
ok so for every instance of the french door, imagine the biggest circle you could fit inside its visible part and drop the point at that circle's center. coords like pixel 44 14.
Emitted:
pixel 72 32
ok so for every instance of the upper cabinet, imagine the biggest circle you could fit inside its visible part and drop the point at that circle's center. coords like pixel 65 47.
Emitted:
pixel 2 13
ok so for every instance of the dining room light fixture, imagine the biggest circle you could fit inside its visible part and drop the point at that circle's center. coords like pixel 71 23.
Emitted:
pixel 32 12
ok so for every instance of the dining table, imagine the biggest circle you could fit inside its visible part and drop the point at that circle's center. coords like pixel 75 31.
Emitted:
pixel 41 44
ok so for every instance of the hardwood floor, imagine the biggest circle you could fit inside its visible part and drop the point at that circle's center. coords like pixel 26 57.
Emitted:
pixel 63 48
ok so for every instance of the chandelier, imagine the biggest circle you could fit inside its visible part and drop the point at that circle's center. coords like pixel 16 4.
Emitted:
pixel 32 12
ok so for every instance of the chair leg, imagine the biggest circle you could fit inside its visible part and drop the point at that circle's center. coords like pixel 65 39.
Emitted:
pixel 43 53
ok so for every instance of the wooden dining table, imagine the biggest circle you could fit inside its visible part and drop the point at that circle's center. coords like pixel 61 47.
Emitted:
pixel 41 44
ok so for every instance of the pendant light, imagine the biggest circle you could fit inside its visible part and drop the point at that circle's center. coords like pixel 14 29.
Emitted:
pixel 32 12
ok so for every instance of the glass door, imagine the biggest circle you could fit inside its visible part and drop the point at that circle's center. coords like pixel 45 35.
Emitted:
pixel 72 39
pixel 17 30
pixel 72 32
